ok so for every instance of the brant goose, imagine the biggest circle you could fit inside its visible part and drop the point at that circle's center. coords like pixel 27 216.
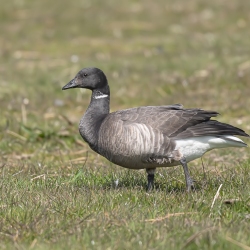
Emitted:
pixel 151 136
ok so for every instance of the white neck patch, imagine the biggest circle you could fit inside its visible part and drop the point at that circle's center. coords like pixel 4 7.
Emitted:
pixel 100 96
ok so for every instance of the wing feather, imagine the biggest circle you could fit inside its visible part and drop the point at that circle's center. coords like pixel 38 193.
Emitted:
pixel 170 120
pixel 211 128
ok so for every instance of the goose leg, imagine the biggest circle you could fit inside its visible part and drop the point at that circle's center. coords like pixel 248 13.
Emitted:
pixel 151 176
pixel 189 181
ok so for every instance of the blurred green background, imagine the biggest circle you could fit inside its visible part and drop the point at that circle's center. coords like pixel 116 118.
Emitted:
pixel 154 53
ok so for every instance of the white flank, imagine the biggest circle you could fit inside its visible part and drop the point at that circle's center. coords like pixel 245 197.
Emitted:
pixel 193 148
pixel 100 96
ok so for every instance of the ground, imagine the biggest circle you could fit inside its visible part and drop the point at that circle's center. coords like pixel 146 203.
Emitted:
pixel 58 194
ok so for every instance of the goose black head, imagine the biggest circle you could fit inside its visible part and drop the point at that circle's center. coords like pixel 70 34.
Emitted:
pixel 88 78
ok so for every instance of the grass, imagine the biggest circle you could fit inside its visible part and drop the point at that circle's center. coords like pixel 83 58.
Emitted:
pixel 58 194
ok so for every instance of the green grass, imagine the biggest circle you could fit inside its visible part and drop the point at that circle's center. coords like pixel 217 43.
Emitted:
pixel 58 194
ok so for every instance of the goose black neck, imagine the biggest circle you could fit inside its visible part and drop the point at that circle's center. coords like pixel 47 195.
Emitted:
pixel 100 101
pixel 95 114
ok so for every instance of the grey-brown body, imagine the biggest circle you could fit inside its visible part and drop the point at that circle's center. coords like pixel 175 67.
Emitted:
pixel 135 144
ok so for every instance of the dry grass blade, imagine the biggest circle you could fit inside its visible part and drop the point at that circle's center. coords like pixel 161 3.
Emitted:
pixel 168 216
pixel 191 238
pixel 215 198
pixel 81 143
pixel 38 177
pixel 79 152
pixel 16 135
pixel 63 117
pixel 19 172
pixel 33 243
pixel 239 244
pixel 80 159
pixel 22 156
